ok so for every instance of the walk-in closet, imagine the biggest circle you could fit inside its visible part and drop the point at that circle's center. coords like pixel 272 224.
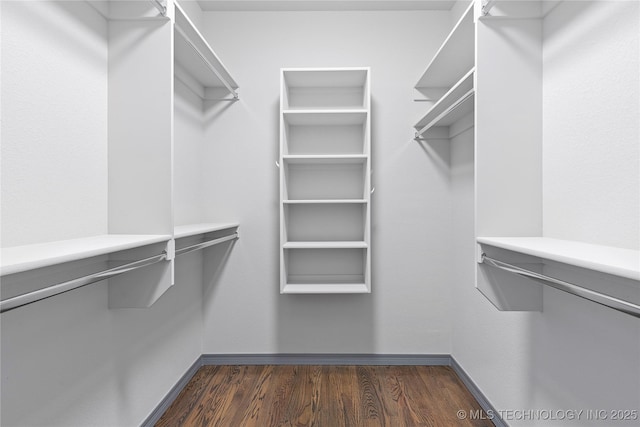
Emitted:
pixel 320 213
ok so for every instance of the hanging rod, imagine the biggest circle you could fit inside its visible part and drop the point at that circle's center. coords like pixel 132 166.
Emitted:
pixel 203 245
pixel 40 294
pixel 161 8
pixel 193 91
pixel 486 6
pixel 446 112
pixel 597 297
pixel 207 63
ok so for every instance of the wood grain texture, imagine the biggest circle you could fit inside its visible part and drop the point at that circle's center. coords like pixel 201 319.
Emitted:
pixel 323 396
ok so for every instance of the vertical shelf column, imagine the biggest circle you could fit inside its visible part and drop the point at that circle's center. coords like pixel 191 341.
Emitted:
pixel 140 151
pixel 508 135
pixel 325 181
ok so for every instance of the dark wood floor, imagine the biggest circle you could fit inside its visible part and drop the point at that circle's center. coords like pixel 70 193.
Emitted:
pixel 324 396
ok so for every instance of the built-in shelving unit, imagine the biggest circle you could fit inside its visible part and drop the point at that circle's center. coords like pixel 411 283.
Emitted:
pixel 514 267
pixel 450 71
pixel 325 181
pixel 197 65
pixel 118 225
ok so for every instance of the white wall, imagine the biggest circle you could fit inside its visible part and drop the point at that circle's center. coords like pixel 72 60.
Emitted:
pixel 575 355
pixel 411 221
pixel 591 156
pixel 189 146
pixel 54 122
pixel 69 360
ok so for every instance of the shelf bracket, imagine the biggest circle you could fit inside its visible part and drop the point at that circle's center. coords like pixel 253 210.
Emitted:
pixel 161 8
pixel 487 5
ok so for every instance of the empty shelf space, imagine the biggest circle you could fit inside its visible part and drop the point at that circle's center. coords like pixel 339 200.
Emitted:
pixel 606 259
pixel 324 222
pixel 325 117
pixel 325 159
pixel 194 54
pixel 325 88
pixel 323 140
pixel 29 257
pixel 203 228
pixel 324 181
pixel 455 56
pixel 325 270
pixel 325 77
pixel 455 104
pixel 325 245
pixel 325 288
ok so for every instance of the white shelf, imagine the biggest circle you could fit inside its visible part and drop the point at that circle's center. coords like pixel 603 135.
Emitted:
pixel 191 52
pixel 325 159
pixel 330 88
pixel 325 117
pixel 454 58
pixel 324 201
pixel 455 104
pixel 606 259
pixel 325 77
pixel 328 288
pixel 325 245
pixel 18 259
pixel 181 231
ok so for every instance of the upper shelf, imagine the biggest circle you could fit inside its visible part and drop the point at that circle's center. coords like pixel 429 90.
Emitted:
pixel 606 259
pixel 325 88
pixel 324 117
pixel 181 231
pixel 326 245
pixel 455 57
pixel 325 201
pixel 193 53
pixel 18 259
pixel 455 104
pixel 325 159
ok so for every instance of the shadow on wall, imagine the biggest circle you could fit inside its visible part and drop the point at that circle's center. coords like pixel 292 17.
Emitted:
pixel 215 261
pixel 325 324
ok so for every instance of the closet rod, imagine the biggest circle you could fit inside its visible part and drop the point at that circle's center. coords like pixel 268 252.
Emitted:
pixel 458 103
pixel 207 63
pixel 203 245
pixel 161 8
pixel 597 297
pixel 40 294
pixel 486 7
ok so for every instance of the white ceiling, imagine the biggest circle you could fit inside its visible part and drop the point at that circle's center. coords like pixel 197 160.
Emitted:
pixel 265 5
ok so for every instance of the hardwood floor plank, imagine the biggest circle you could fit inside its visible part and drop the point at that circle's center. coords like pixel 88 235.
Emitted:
pixel 179 410
pixel 323 396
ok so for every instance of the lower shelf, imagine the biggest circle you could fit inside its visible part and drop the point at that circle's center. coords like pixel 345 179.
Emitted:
pixel 606 259
pixel 326 288
pixel 511 272
pixel 329 268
